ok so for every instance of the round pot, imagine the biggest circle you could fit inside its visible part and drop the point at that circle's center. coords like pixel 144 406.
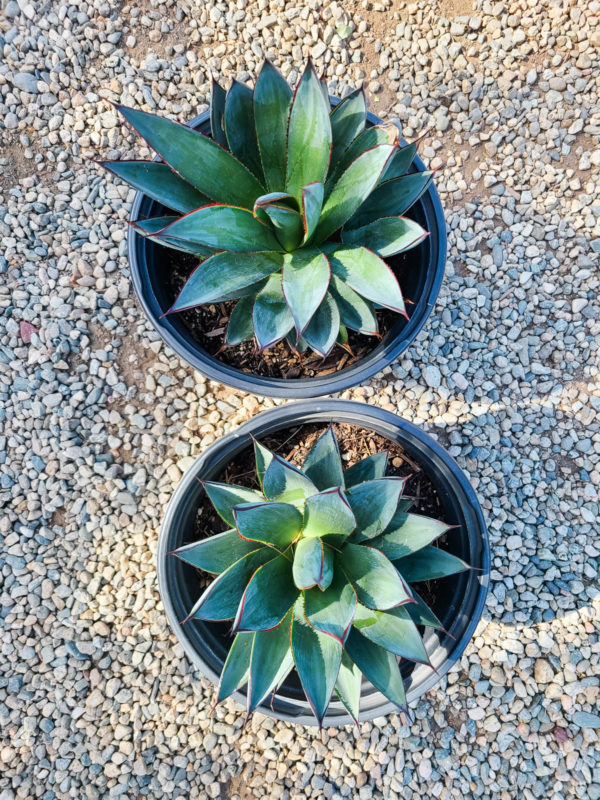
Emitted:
pixel 421 286
pixel 460 598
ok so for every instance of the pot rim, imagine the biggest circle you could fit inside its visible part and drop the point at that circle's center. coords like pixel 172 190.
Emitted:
pixel 359 414
pixel 318 386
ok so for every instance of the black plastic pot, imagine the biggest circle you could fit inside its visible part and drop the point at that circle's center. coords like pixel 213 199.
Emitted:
pixel 421 285
pixel 460 598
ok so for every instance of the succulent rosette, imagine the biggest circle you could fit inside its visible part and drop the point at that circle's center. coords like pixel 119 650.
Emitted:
pixel 291 208
pixel 315 572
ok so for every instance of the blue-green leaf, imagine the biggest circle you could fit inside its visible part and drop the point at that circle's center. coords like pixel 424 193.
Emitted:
pixel 371 137
pixel 368 469
pixel 328 512
pixel 309 135
pixel 222 598
pixel 313 564
pixel 158 181
pixel 348 120
pixel 323 328
pixel 391 198
pixel 236 667
pixel 413 532
pixel 331 611
pixel 272 101
pixel 275 524
pixel 148 227
pixel 224 274
pixel 323 464
pixel 375 580
pixel 305 281
pixel 399 162
pixel 394 630
pixel 374 503
pixel 217 113
pixel 355 312
pixel 268 597
pixel 420 612
pixel 198 159
pixel 367 274
pixel 263 457
pixel 348 686
pixel 317 658
pixel 387 236
pixel 286 483
pixel 240 327
pixel 430 563
pixel 224 228
pixel 352 189
pixel 270 663
pixel 215 553
pixel 312 203
pixel 224 496
pixel 378 666
pixel 271 315
pixel 240 128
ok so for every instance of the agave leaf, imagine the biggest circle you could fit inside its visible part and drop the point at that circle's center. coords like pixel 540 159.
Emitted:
pixel 159 182
pixel 348 120
pixel 270 662
pixel 224 496
pixel 240 327
pixel 323 464
pixel 367 274
pixel 368 469
pixel 387 236
pixel 148 227
pixel 309 135
pixel 321 332
pixel 375 580
pixel 325 89
pixel 271 317
pixel 225 274
pixel 312 203
pixel 413 533
pixel 400 162
pixel 275 524
pixel 240 128
pixel 430 563
pixel 342 337
pixel 394 630
pixel 268 597
pixel 313 564
pixel 217 113
pixel 348 686
pixel 198 159
pixel 371 137
pixel 223 227
pixel 263 457
pixel 305 281
pixel 378 666
pixel 352 189
pixel 328 512
pixel 297 343
pixel 272 101
pixel 355 312
pixel 317 658
pixel 374 503
pixel 286 483
pixel 216 553
pixel 420 612
pixel 391 198
pixel 287 225
pixel 221 599
pixel 236 667
pixel 331 611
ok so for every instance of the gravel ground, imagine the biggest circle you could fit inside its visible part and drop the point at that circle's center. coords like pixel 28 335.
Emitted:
pixel 100 419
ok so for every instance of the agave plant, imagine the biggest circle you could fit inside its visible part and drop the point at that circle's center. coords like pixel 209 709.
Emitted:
pixel 315 572
pixel 291 209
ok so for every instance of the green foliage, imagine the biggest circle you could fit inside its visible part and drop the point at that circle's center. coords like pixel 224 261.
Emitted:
pixel 316 574
pixel 291 208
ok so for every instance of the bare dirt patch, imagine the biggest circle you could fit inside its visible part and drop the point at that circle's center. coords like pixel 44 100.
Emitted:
pixel 236 787
pixel 456 8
